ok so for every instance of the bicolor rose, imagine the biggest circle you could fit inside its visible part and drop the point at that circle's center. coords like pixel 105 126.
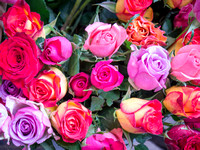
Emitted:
pixel 148 68
pixel 186 64
pixel 142 32
pixel 30 123
pixel 178 3
pixel 71 120
pixel 104 39
pixel 181 137
pixel 56 50
pixel 139 116
pixel 48 88
pixel 19 61
pixel 111 140
pixel 8 88
pixel 183 101
pixel 105 76
pixel 79 83
pixel 19 18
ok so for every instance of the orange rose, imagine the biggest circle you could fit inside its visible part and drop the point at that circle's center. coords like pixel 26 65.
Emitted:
pixel 142 32
pixel 139 116
pixel 19 18
pixel 178 3
pixel 183 101
pixel 71 120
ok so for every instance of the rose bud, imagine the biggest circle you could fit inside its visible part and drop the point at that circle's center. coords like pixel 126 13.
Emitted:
pixel 112 141
pixel 29 124
pixel 71 120
pixel 104 39
pixel 178 3
pixel 19 18
pixel 78 84
pixel 139 116
pixel 56 50
pixel 183 101
pixel 181 137
pixel 105 76
pixel 150 66
pixel 48 88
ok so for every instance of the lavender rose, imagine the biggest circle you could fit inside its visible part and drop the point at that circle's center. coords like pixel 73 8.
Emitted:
pixel 29 122
pixel 148 68
pixel 8 88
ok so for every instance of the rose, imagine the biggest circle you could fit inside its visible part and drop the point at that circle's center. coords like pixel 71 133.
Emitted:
pixel 111 140
pixel 196 10
pixel 9 1
pixel 183 101
pixel 8 88
pixel 18 18
pixel 48 88
pixel 104 39
pixel 150 66
pixel 18 59
pixel 181 19
pixel 56 50
pixel 178 3
pixel 105 76
pixel 181 137
pixel 29 124
pixel 186 64
pixel 193 123
pixel 142 32
pixel 78 84
pixel 139 116
pixel 71 120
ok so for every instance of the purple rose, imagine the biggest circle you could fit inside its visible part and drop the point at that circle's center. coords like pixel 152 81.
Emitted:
pixel 8 88
pixel 148 68
pixel 29 122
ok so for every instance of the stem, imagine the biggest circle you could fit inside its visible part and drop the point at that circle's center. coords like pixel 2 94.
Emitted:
pixel 76 5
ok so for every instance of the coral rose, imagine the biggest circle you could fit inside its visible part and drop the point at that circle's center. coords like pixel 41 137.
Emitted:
pixel 78 84
pixel 71 120
pixel 19 18
pixel 139 116
pixel 48 88
pixel 183 101
pixel 56 50
pixel 104 39
pixel 105 76
pixel 19 61
pixel 148 68
pixel 186 64
pixel 142 32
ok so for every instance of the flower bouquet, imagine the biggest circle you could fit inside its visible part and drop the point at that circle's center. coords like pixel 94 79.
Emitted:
pixel 97 74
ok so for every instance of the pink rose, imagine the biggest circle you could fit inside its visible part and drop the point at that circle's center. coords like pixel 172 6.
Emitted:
pixel 56 50
pixel 105 76
pixel 104 39
pixel 111 140
pixel 78 84
pixel 196 10
pixel 9 1
pixel 186 64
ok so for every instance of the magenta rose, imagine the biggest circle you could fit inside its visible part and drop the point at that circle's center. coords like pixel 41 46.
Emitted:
pixel 196 10
pixel 9 1
pixel 193 123
pixel 109 141
pixel 105 76
pixel 181 137
pixel 78 84
pixel 148 68
pixel 104 39
pixel 56 49
pixel 29 123
pixel 186 63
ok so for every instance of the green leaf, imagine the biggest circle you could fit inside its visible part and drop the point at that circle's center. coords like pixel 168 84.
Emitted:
pixel 141 147
pixel 142 138
pixel 127 135
pixel 97 103
pixel 69 146
pixel 167 26
pixel 77 39
pixel 128 94
pixel 108 5
pixel 48 145
pixel 39 42
pixel 91 131
pixel 110 96
pixel 192 35
pixel 124 86
pixel 40 7
pixel 74 64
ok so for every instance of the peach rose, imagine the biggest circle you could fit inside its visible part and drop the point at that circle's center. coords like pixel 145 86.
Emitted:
pixel 142 32
pixel 139 116
pixel 71 120
pixel 183 101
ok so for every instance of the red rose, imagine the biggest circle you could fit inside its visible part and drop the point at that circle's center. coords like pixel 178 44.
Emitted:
pixel 18 59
